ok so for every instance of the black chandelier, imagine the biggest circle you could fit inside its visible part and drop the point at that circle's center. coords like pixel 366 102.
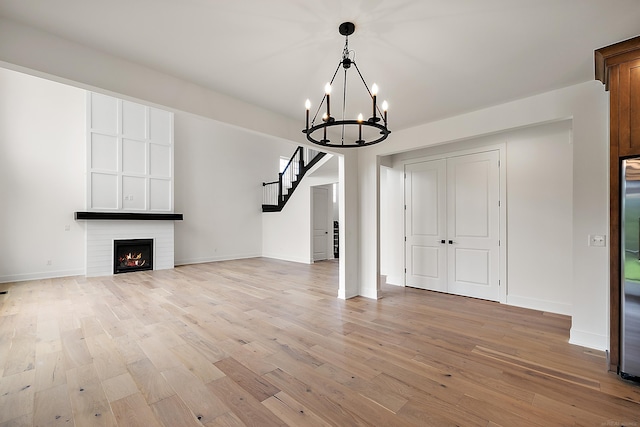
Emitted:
pixel 350 132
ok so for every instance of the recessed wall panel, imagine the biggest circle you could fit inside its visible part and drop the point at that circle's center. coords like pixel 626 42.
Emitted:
pixel 160 160
pixel 104 114
pixel 104 191
pixel 134 121
pixel 134 156
pixel 160 194
pixel 160 126
pixel 104 152
pixel 133 193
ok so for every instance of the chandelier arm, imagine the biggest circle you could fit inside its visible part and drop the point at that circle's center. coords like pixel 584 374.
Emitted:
pixel 325 95
pixel 366 86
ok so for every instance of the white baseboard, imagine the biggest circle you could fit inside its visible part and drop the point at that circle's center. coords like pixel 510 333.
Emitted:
pixel 301 260
pixel 395 280
pixel 588 339
pixel 23 277
pixel 538 304
pixel 204 260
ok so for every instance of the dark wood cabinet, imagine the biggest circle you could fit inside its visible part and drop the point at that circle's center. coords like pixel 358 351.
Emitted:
pixel 618 68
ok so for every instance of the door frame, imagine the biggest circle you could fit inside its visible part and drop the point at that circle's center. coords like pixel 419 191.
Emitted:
pixel 329 236
pixel 502 171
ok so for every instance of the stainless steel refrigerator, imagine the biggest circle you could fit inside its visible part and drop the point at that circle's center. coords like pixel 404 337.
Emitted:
pixel 630 277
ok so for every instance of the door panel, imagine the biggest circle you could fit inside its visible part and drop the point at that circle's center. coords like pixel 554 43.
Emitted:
pixel 474 225
pixel 425 224
pixel 320 223
pixel 452 222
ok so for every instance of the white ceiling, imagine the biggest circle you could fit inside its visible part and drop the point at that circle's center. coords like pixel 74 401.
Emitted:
pixel 431 59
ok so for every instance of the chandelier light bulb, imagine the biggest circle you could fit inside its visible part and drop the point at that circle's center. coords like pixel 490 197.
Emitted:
pixel 385 107
pixel 374 89
pixel 307 105
pixel 327 89
pixel 360 117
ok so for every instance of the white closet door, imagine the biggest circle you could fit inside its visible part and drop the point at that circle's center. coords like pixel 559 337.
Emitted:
pixel 473 223
pixel 425 225
pixel 320 223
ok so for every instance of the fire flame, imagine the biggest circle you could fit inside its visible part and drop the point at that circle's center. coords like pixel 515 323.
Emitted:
pixel 132 260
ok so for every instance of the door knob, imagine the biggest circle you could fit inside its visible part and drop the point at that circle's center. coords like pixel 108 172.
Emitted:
pixel 443 241
pixel 451 242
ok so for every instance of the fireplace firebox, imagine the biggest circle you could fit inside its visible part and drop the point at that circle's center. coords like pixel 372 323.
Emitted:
pixel 132 255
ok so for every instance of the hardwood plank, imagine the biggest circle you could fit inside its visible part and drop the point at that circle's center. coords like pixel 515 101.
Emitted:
pixel 50 371
pixel 205 405
pixel 254 384
pixel 52 407
pixel 16 395
pixel 243 404
pixel 88 401
pixel 117 388
pixel 151 383
pixel 292 412
pixel 74 348
pixel 197 363
pixel 133 411
pixel 173 412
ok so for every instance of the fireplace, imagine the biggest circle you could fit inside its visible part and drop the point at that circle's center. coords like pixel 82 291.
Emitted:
pixel 132 255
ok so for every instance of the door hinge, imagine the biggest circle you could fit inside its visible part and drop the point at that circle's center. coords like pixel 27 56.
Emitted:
pixel 405 207
pixel 405 238
pixel 405 271
pixel 499 203
pixel 498 282
pixel 498 163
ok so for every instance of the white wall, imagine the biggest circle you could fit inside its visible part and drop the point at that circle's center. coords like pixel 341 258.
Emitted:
pixel 42 181
pixel 539 211
pixel 219 170
pixel 539 215
pixel 586 105
pixel 287 234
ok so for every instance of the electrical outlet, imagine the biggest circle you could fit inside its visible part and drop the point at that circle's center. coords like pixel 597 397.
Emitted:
pixel 48 262
pixel 597 240
pixel 67 227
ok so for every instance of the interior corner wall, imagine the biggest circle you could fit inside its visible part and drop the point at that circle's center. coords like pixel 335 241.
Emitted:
pixel 586 105
pixel 219 171
pixel 286 235
pixel 539 184
pixel 42 179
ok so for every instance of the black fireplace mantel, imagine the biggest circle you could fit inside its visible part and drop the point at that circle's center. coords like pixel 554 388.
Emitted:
pixel 127 216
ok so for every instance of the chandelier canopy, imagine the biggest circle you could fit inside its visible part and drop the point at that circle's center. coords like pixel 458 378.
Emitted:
pixel 347 133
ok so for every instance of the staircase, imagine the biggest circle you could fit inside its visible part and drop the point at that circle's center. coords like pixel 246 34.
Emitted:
pixel 276 194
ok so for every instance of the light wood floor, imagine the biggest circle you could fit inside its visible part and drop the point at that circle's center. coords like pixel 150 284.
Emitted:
pixel 262 342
